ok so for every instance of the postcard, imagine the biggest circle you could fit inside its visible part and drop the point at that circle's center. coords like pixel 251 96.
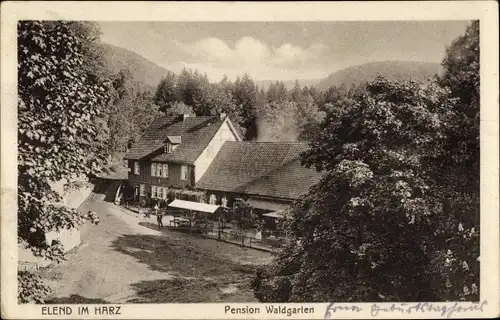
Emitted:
pixel 249 160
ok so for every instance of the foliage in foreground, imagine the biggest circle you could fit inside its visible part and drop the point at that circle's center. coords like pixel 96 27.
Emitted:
pixel 396 214
pixel 60 133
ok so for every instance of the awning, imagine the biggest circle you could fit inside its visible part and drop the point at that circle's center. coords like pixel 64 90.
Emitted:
pixel 276 214
pixel 194 206
pixel 268 205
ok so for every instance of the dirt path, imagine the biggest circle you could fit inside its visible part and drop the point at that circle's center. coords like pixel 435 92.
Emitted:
pixel 126 259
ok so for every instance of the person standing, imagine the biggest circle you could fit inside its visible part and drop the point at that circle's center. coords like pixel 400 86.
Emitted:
pixel 159 216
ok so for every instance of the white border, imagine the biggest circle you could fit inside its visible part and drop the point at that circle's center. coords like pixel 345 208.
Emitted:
pixel 486 11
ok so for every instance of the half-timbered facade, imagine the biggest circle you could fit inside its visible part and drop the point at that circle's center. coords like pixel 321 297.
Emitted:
pixel 174 152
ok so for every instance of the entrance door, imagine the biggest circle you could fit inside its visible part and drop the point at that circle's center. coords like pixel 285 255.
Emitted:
pixel 136 192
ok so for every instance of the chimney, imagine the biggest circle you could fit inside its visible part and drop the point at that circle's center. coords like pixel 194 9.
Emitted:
pixel 222 116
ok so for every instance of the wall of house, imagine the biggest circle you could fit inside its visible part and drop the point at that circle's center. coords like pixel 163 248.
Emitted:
pixel 173 180
pixel 207 156
pixel 264 204
pixel 70 238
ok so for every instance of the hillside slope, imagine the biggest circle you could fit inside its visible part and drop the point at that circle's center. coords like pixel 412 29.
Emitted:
pixel 392 70
pixel 143 70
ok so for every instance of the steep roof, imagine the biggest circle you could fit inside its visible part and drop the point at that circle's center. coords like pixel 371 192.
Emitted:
pixel 194 132
pixel 269 169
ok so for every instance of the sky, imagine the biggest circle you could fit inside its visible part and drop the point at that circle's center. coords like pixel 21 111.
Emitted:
pixel 281 50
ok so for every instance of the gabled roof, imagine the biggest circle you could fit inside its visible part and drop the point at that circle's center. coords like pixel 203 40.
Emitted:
pixel 290 181
pixel 195 133
pixel 270 169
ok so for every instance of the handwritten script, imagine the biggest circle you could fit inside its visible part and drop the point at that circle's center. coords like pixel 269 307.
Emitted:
pixel 445 310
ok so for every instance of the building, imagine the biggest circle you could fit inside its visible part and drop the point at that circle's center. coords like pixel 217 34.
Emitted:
pixel 175 152
pixel 206 154
pixel 268 175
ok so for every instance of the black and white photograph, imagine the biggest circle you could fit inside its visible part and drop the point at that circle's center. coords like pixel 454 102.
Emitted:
pixel 238 162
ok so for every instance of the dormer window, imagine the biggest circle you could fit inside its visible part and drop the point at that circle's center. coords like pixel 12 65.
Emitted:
pixel 168 148
pixel 171 143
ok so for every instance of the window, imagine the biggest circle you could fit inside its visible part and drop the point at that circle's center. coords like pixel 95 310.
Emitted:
pixel 154 190
pixel 136 167
pixel 213 199
pixel 170 147
pixel 184 172
pixel 159 170
pixel 164 195
pixel 142 189
pixel 165 170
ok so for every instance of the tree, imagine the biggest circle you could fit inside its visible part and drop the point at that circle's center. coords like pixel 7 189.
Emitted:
pixel 245 98
pixel 333 94
pixel 455 164
pixel 119 112
pixel 178 108
pixel 191 87
pixel 315 94
pixel 278 122
pixel 289 120
pixel 277 92
pixel 166 92
pixel 296 93
pixel 261 97
pixel 387 214
pixel 130 111
pixel 308 118
pixel 245 217
pixel 59 105
pixel 143 113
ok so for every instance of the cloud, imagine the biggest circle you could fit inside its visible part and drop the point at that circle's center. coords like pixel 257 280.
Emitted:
pixel 289 53
pixel 248 53
pixel 208 49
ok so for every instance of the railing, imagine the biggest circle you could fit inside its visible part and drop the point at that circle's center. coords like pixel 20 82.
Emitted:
pixel 237 237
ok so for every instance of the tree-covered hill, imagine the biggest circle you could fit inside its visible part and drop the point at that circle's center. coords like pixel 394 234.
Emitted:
pixel 141 69
pixel 390 70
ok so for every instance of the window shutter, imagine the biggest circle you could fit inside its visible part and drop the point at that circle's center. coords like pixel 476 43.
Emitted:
pixel 183 172
pixel 153 169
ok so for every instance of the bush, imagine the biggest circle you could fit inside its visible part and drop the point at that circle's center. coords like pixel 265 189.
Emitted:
pixel 31 288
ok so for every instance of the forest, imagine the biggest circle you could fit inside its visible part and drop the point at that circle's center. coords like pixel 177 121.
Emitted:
pixel 258 114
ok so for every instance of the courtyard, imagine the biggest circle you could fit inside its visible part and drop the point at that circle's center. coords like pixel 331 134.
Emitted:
pixel 126 259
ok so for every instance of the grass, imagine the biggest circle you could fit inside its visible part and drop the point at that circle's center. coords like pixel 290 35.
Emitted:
pixel 199 275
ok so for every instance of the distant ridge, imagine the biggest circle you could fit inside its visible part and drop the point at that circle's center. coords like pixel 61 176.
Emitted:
pixel 149 73
pixel 143 70
pixel 392 70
